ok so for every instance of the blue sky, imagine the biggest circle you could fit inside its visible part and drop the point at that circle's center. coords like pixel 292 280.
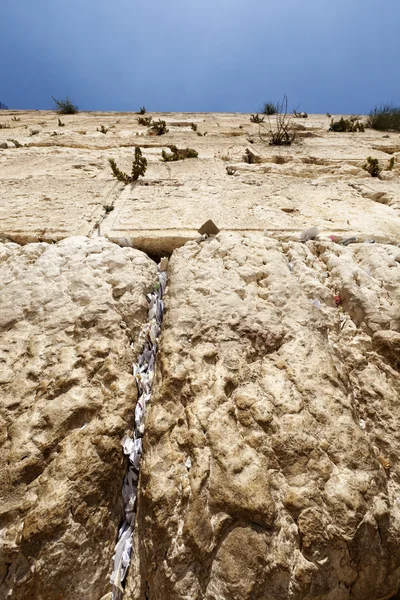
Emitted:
pixel 185 55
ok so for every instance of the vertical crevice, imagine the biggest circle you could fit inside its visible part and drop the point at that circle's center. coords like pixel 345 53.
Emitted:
pixel 143 372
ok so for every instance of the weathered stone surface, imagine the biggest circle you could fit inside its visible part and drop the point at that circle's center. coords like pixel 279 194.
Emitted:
pixel 58 183
pixel 68 314
pixel 49 194
pixel 287 410
pixel 289 414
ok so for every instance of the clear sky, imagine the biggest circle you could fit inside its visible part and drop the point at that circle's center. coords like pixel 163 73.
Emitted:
pixel 337 56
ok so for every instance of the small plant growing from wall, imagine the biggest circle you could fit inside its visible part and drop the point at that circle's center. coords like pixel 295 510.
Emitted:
pixel 139 166
pixel 4 126
pixel 385 117
pixel 194 126
pixel 65 107
pixel 391 164
pixel 270 108
pixel 102 129
pixel 256 118
pixel 251 158
pixel 159 127
pixel 372 166
pixel 178 154
pixel 145 121
pixel 15 119
pixel 34 131
pixel 60 123
pixel 142 110
pixel 347 125
pixel 283 132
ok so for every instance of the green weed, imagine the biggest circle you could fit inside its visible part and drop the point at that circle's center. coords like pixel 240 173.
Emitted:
pixel 159 127
pixel 256 118
pixel 372 166
pixel 65 107
pixel 139 166
pixel 385 117
pixel 178 154
pixel 270 108
pixel 144 121
pixel 346 125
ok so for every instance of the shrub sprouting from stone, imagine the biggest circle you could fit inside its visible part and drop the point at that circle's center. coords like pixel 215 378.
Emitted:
pixel 256 118
pixel 177 154
pixel 159 127
pixel 194 126
pixel 65 107
pixel 372 166
pixel 102 129
pixel 283 131
pixel 145 121
pixel 385 117
pixel 391 164
pixel 142 110
pixel 139 166
pixel 346 125
pixel 270 108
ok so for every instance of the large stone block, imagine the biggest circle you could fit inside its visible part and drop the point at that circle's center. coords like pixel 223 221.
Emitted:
pixel 68 315
pixel 272 442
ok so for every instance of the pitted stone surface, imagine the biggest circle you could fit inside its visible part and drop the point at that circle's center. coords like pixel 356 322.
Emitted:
pixel 271 467
pixel 68 314
pixel 289 416
pixel 59 182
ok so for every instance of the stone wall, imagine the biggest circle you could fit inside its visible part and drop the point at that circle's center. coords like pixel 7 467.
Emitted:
pixel 68 315
pixel 270 464
pixel 271 447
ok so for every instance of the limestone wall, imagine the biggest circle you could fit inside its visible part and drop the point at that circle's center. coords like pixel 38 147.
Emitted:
pixel 270 466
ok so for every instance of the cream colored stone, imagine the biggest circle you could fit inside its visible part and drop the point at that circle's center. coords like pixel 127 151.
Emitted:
pixel 285 497
pixel 66 399
pixel 59 184
pixel 272 443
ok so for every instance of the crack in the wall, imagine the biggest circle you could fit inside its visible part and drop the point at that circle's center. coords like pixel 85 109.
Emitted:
pixel 143 372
